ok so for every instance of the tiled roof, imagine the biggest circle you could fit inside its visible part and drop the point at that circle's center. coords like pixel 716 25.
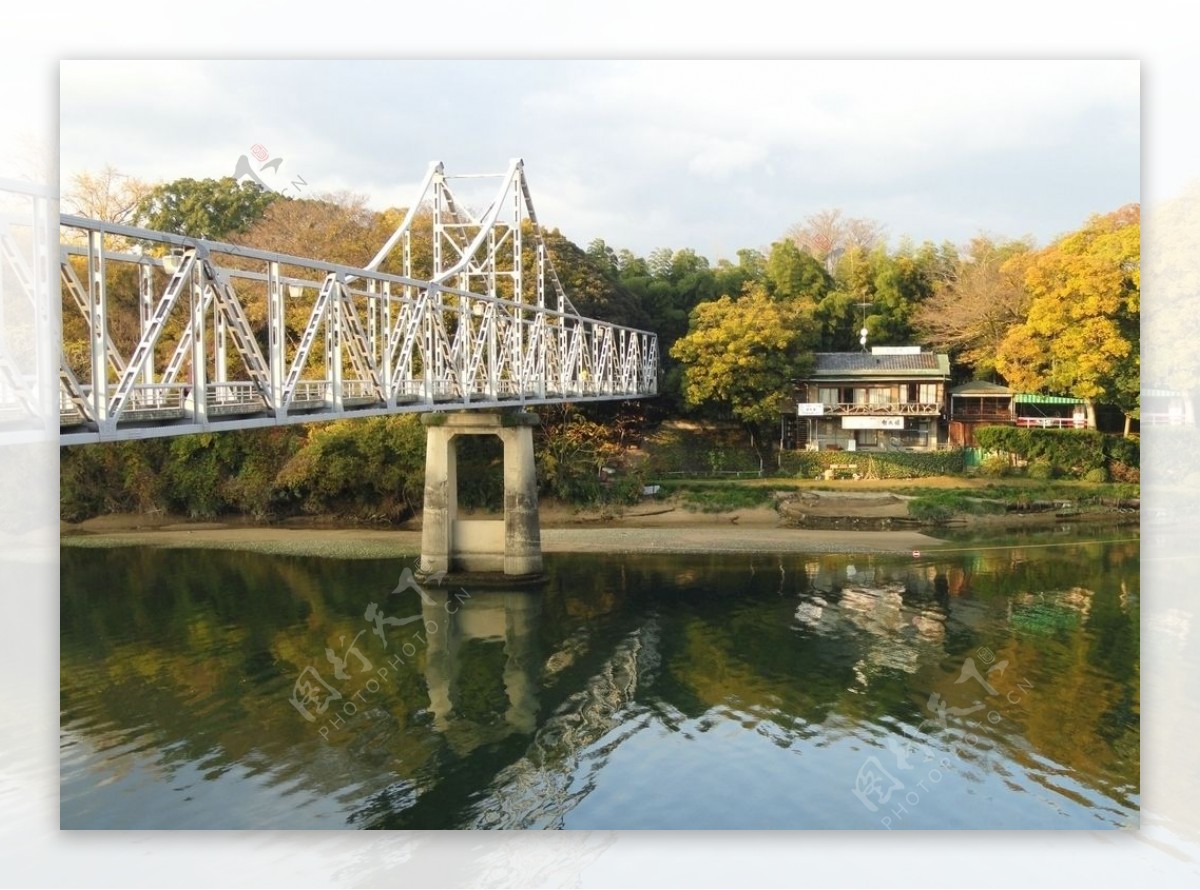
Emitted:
pixel 866 364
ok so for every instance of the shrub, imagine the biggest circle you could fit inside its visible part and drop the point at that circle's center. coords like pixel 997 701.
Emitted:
pixel 699 452
pixel 111 477
pixel 1041 469
pixel 1069 452
pixel 1124 450
pixel 1096 474
pixel 627 490
pixel 718 498
pixel 874 464
pixel 369 467
pixel 995 466
pixel 1122 472
pixel 943 505
pixel 928 510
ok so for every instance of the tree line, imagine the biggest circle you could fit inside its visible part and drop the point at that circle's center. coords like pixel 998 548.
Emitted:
pixel 733 335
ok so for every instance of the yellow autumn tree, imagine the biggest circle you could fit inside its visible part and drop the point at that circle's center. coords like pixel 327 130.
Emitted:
pixel 1080 336
pixel 742 354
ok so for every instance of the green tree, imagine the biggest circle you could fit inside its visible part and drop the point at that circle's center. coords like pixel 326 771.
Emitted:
pixel 792 274
pixel 659 261
pixel 877 290
pixel 587 280
pixel 204 208
pixel 845 307
pixel 742 355
pixel 838 317
pixel 730 279
pixel 603 256
pixel 900 284
pixel 1081 336
pixel 629 263
pixel 667 286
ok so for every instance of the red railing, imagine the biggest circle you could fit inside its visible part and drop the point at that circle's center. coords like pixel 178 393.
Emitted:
pixel 984 416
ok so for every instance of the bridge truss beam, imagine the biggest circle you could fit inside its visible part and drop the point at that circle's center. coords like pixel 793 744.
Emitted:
pixel 186 335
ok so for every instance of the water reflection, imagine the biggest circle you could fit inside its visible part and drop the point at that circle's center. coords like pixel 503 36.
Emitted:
pixel 508 618
pixel 698 691
pixel 540 789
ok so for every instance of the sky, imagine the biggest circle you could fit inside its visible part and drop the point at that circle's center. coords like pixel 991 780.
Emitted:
pixel 711 155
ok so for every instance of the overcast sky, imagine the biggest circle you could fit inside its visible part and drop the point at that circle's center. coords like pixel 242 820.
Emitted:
pixel 712 155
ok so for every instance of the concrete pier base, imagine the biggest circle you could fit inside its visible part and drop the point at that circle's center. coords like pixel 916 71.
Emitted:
pixel 511 547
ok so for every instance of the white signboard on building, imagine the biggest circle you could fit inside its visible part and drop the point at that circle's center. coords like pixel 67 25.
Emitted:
pixel 810 409
pixel 858 422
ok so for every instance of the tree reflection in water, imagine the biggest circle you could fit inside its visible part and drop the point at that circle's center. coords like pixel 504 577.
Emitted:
pixel 526 708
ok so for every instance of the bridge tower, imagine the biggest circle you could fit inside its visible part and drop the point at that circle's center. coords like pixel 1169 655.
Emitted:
pixel 511 546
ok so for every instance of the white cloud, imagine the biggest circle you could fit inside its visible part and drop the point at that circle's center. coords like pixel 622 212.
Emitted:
pixel 647 153
pixel 718 158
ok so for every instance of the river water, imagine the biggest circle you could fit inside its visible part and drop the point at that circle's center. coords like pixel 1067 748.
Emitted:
pixel 974 687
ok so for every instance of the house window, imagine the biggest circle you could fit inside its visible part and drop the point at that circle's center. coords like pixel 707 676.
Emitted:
pixel 928 393
pixel 827 395
pixel 880 396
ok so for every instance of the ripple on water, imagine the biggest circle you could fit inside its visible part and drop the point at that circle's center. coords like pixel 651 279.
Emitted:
pixel 655 692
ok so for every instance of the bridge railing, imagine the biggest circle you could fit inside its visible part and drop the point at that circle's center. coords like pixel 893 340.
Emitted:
pixel 272 338
pixel 167 397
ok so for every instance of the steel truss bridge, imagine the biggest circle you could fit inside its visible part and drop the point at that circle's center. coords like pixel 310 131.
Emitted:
pixel 186 335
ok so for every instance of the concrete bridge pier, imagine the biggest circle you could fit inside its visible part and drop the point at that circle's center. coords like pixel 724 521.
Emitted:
pixel 511 547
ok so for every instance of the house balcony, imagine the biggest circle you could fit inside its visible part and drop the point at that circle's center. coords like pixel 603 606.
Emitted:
pixel 884 409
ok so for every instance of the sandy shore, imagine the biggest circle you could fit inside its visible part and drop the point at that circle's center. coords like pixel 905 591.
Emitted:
pixel 658 531
pixel 651 528
pixel 372 543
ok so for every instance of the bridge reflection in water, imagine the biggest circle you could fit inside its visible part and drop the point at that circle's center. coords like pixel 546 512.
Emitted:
pixel 491 616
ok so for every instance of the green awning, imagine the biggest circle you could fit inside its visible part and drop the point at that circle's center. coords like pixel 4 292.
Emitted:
pixel 1028 398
